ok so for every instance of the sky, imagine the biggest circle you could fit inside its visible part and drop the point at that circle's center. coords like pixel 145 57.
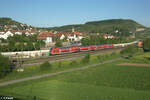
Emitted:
pixel 50 13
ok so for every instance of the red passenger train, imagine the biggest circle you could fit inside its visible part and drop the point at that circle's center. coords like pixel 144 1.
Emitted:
pixel 72 49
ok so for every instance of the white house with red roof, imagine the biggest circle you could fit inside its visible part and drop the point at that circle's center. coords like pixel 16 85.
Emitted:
pixel 108 36
pixel 6 34
pixel 46 37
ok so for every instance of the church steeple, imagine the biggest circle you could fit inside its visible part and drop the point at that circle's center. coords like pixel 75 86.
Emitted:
pixel 73 29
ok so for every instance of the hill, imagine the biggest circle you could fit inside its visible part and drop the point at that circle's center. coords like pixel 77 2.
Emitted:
pixel 124 26
pixel 106 26
pixel 8 23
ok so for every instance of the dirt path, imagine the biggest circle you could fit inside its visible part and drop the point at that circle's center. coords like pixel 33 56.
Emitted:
pixel 134 64
pixel 53 74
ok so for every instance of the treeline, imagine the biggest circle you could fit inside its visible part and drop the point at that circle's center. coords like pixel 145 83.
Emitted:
pixel 98 40
pixel 105 26
pixel 21 43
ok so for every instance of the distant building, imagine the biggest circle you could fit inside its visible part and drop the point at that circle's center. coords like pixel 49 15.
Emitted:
pixel 140 29
pixel 108 36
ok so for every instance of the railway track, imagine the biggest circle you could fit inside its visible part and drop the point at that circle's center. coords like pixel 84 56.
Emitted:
pixel 72 56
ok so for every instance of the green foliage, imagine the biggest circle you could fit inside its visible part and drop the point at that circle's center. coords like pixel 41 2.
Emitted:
pixel 86 59
pixel 100 58
pixel 45 66
pixel 147 44
pixel 60 64
pixel 73 63
pixel 129 51
pixel 85 41
pixel 58 43
pixel 22 43
pixel 98 40
pixel 4 66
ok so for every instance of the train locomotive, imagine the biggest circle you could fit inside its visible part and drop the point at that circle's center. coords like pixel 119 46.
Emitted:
pixel 73 49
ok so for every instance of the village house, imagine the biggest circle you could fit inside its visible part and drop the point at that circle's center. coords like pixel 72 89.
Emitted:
pixel 6 34
pixel 108 36
pixel 46 37
pixel 49 37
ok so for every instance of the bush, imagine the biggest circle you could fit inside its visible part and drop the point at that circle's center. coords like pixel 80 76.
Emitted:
pixel 4 66
pixel 100 58
pixel 73 63
pixel 147 44
pixel 58 43
pixel 113 54
pixel 46 65
pixel 86 59
pixel 59 64
pixel 129 51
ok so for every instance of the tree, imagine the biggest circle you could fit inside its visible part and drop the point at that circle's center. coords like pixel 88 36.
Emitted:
pixel 85 41
pixel 45 66
pixel 73 63
pixel 147 44
pixel 4 66
pixel 58 43
pixel 86 59
pixel 129 51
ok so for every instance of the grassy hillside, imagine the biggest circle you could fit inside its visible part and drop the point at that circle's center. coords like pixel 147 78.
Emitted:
pixel 143 34
pixel 8 23
pixel 103 26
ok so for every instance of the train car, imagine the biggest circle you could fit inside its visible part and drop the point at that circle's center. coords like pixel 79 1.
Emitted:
pixel 84 48
pixel 100 47
pixel 75 49
pixel 93 47
pixel 64 50
pixel 54 51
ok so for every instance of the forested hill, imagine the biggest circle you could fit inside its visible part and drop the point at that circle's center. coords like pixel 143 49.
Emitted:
pixel 8 23
pixel 107 26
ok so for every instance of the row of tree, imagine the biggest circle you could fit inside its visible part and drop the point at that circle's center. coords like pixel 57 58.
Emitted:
pixel 21 43
pixel 98 40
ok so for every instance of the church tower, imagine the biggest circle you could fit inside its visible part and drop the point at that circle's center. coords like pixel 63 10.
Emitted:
pixel 73 29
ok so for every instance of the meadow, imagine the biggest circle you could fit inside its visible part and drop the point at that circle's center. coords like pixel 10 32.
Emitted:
pixel 103 82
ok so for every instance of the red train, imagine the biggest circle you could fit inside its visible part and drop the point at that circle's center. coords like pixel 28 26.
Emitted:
pixel 63 50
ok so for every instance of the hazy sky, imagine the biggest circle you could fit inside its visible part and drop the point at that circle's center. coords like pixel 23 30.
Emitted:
pixel 51 13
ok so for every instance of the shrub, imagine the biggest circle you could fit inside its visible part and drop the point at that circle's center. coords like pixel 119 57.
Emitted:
pixel 46 65
pixel 73 63
pixel 147 44
pixel 100 58
pixel 4 66
pixel 129 51
pixel 113 54
pixel 86 59
pixel 59 64
pixel 58 43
